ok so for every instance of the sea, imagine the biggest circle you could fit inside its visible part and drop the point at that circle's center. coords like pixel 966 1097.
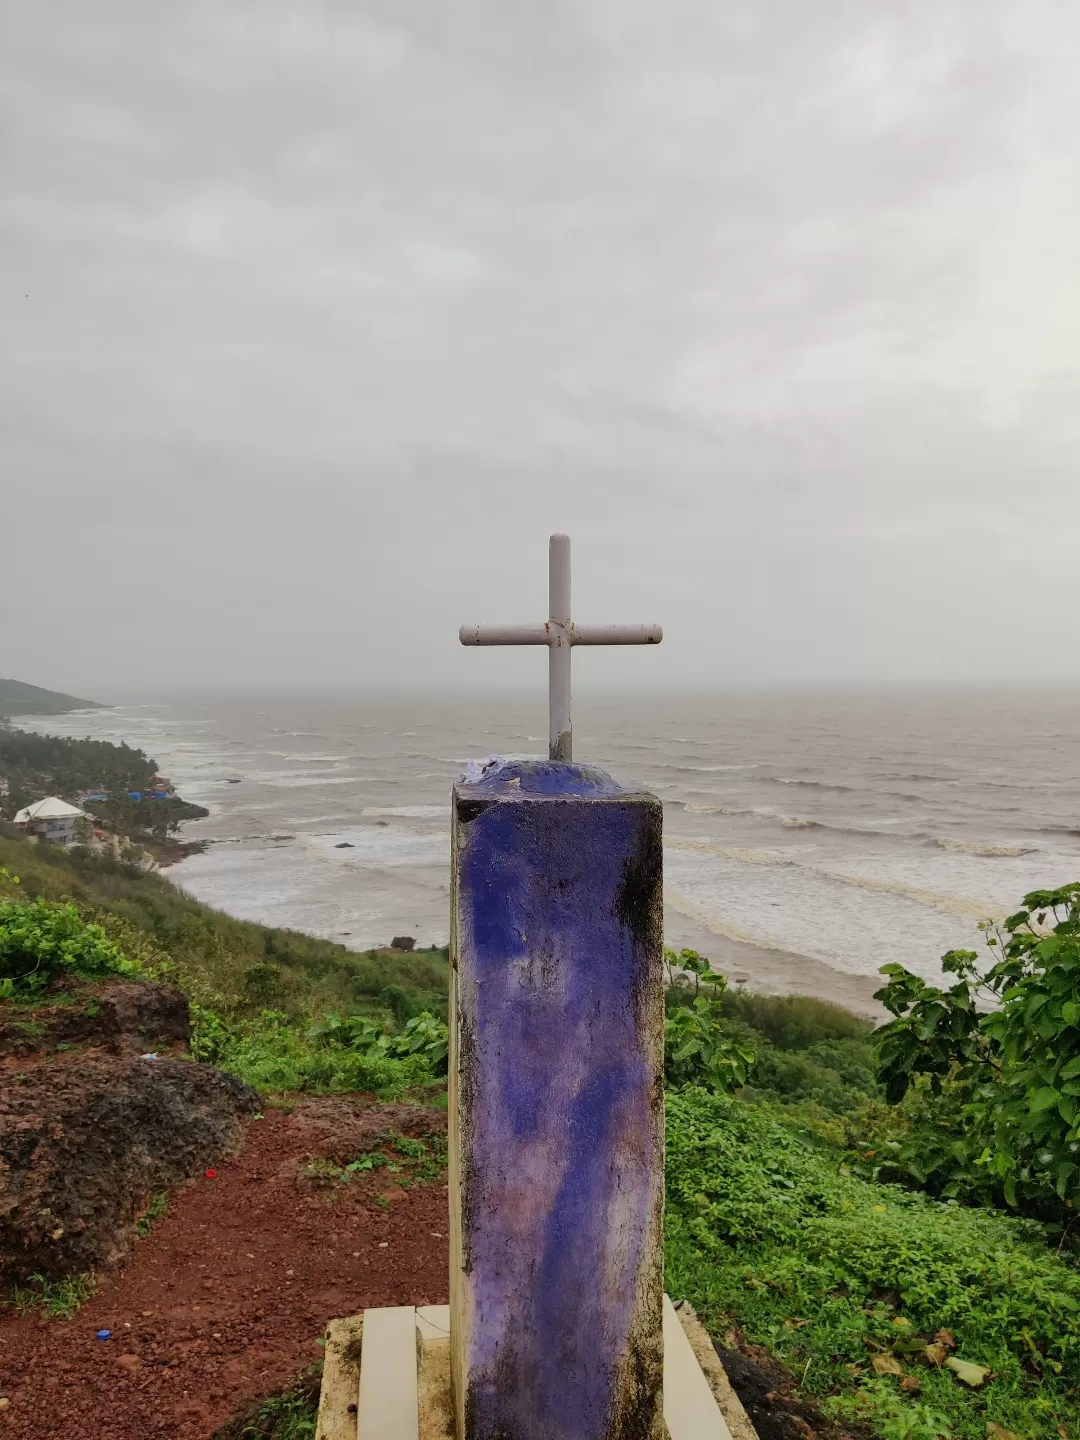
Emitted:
pixel 839 831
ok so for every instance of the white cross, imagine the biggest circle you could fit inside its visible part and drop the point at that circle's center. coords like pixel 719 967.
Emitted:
pixel 559 634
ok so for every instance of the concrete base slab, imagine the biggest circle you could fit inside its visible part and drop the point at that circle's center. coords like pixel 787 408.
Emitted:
pixel 340 1379
pixel 731 1407
pixel 387 1377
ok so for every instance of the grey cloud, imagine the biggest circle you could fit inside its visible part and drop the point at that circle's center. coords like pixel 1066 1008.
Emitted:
pixel 314 313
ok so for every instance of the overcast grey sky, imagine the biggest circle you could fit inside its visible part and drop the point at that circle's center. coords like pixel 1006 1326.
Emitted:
pixel 318 317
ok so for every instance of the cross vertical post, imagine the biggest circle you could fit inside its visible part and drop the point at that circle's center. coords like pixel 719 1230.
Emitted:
pixel 560 736
pixel 560 634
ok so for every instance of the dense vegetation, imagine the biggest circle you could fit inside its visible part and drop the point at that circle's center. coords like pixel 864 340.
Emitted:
pixel 33 766
pixel 863 1288
pixel 922 1306
pixel 996 1090
pixel 811 1060
pixel 888 1302
pixel 18 698
pixel 264 1001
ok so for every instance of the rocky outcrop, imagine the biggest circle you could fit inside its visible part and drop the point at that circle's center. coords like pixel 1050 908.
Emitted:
pixel 99 1109
pixel 87 1138
pixel 121 1015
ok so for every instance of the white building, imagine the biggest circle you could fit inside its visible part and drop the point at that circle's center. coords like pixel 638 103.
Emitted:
pixel 50 819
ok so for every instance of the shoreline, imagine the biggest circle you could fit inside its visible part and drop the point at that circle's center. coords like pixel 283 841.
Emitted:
pixel 762 968
pixel 774 972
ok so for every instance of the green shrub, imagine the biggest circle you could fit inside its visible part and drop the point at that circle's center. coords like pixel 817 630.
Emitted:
pixel 274 1055
pixel 40 940
pixel 833 1076
pixel 698 1050
pixel 796 1022
pixel 1007 1078
pixel 824 1269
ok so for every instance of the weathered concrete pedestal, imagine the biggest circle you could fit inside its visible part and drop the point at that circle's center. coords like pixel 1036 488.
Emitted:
pixel 556 1106
pixel 557 1327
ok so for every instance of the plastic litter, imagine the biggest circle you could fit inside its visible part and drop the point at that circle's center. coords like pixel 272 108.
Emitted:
pixel 151 1056
pixel 103 1335
pixel 210 1174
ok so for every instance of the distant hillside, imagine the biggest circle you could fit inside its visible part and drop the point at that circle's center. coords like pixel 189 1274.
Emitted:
pixel 18 698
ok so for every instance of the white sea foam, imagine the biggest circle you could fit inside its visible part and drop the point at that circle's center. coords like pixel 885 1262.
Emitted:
pixel 984 847
pixel 306 782
pixel 407 812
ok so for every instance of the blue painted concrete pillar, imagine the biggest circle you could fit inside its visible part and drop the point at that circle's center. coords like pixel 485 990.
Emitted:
pixel 556 1107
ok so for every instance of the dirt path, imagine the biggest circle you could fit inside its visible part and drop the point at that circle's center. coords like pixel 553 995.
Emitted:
pixel 226 1298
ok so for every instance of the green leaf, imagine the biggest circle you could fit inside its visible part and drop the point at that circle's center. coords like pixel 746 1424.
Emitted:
pixel 1044 1099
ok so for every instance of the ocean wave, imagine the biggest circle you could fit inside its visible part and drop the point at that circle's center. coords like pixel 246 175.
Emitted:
pixel 809 784
pixel 728 852
pixel 685 906
pixel 980 847
pixel 319 819
pixel 407 812
pixel 915 775
pixel 308 759
pixel 702 769
pixel 303 782
pixel 711 809
pixel 839 788
pixel 961 906
pixel 797 822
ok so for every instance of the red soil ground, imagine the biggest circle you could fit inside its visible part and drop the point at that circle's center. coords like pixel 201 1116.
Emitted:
pixel 225 1300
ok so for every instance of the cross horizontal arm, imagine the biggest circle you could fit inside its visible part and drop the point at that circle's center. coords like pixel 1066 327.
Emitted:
pixel 505 635
pixel 616 635
pixel 551 633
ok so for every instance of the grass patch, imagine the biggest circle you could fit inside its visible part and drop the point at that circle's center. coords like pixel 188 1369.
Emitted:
pixel 277 1057
pixel 828 1271
pixel 290 1415
pixel 159 1203
pixel 59 1299
pixel 411 1162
